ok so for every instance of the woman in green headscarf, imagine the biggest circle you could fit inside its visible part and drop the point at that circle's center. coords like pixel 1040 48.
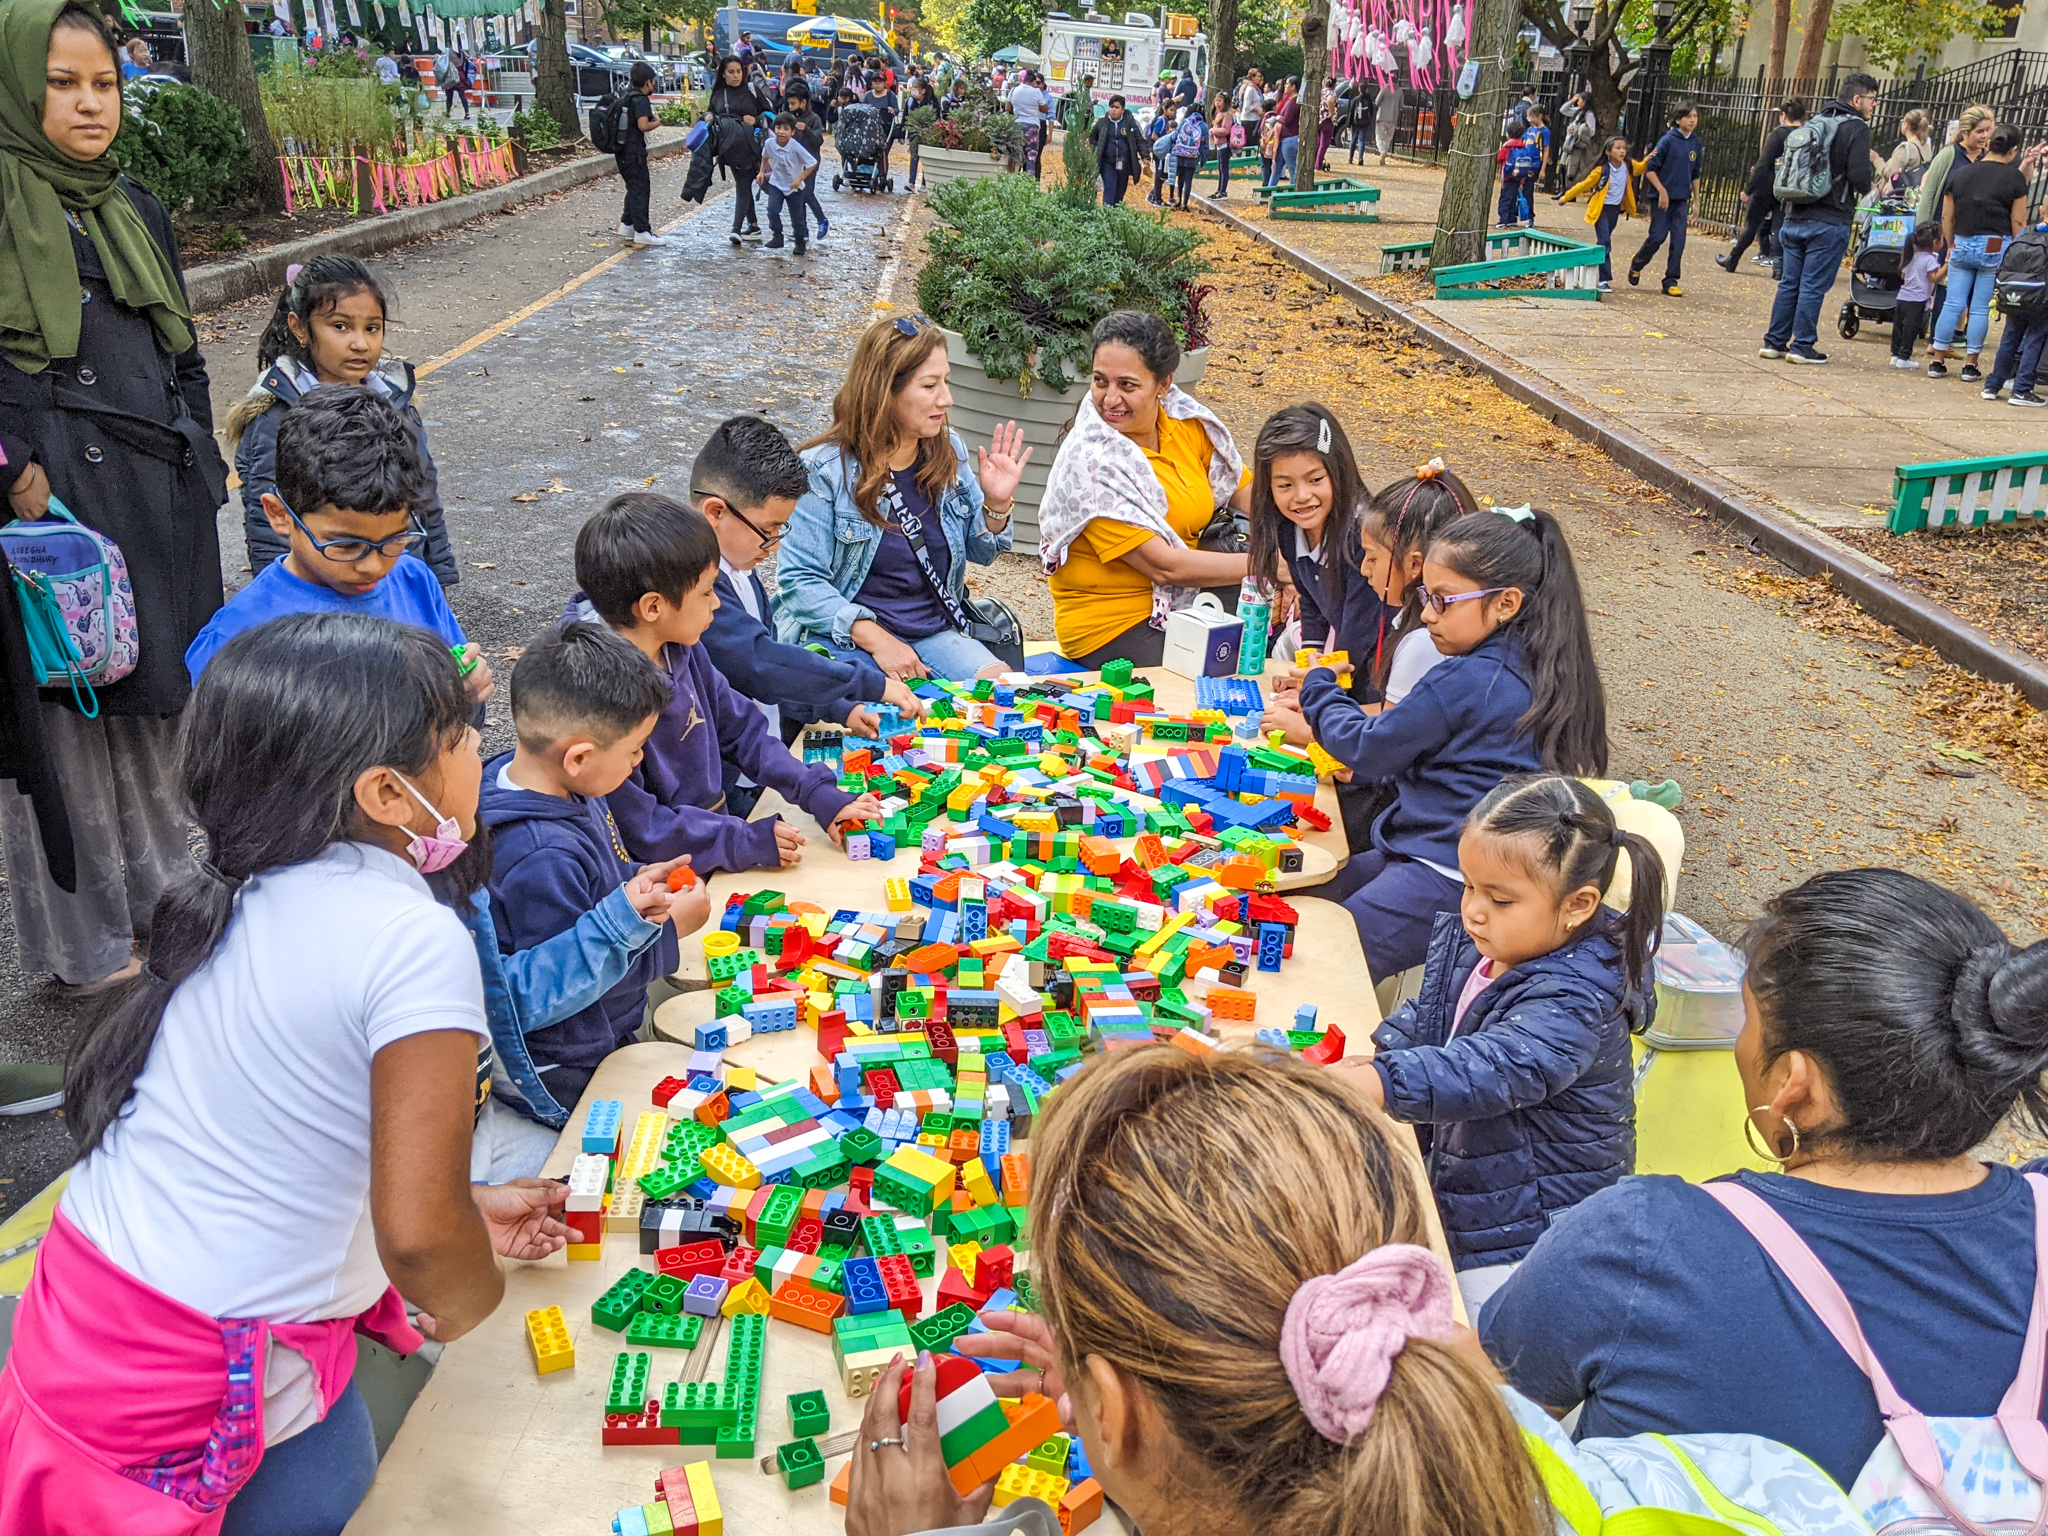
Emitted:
pixel 104 407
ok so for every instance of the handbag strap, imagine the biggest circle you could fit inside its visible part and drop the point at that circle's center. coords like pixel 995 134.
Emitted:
pixel 912 528
pixel 2019 1412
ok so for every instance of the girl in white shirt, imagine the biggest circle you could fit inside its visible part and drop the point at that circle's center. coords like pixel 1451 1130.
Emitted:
pixel 274 1117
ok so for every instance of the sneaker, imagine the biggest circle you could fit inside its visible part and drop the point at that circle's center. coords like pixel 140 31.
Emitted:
pixel 734 237
pixel 1805 355
pixel 648 237
pixel 1771 353
pixel 1606 287
pixel 773 245
pixel 799 248
pixel 1635 277
pixel 625 229
pixel 1762 261
pixel 753 227
pixel 1987 393
pixel 29 1087
pixel 1673 291
pixel 2029 400
pixel 1906 363
pixel 1725 263
pixel 1971 374
pixel 824 229
pixel 1937 369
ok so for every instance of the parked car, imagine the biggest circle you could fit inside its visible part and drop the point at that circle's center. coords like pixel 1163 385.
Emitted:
pixel 597 72
pixel 628 55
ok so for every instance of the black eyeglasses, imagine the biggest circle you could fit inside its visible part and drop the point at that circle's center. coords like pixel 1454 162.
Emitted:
pixel 768 540
pixel 349 551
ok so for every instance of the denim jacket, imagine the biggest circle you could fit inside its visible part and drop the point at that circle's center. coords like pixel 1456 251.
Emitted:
pixel 543 985
pixel 829 548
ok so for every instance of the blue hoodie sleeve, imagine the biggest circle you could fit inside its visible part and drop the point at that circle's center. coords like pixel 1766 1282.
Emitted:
pixel 556 978
pixel 763 668
pixel 714 840
pixel 1376 747
pixel 256 463
pixel 1538 1048
pixel 743 739
pixel 540 895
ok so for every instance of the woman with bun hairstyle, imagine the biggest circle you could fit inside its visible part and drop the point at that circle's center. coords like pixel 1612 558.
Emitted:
pixel 1890 1026
pixel 1245 1346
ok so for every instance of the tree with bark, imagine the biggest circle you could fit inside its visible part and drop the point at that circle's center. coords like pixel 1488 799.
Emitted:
pixel 217 39
pixel 1222 30
pixel 1781 30
pixel 1616 34
pixel 1315 69
pixel 554 78
pixel 1461 217
pixel 1813 38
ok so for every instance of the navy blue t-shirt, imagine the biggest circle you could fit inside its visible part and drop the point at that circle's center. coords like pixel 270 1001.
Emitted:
pixel 1655 1308
pixel 896 591
pixel 1676 160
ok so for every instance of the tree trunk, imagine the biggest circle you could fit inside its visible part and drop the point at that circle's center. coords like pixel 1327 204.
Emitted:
pixel 1461 217
pixel 1315 68
pixel 1222 48
pixel 1781 31
pixel 221 66
pixel 1813 40
pixel 554 78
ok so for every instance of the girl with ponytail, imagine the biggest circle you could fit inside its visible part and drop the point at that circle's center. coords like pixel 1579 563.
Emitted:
pixel 274 1117
pixel 1516 1052
pixel 1516 693
pixel 1246 1346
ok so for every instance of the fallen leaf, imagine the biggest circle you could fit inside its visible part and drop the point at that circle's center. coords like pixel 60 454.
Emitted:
pixel 525 496
pixel 489 565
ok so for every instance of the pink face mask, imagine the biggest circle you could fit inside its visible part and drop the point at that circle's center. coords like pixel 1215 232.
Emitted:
pixel 433 851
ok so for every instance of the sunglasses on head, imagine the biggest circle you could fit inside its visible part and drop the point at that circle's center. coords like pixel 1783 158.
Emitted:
pixel 1437 602
pixel 910 327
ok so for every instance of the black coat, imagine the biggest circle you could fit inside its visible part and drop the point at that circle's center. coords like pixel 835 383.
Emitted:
pixel 732 140
pixel 24 751
pixel 125 432
pixel 1765 171
pixel 1134 142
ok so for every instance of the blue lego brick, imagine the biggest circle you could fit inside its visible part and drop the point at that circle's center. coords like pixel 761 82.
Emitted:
pixel 881 846
pixel 995 1140
pixel 861 1281
pixel 1272 1037
pixel 1272 941
pixel 1232 695
pixel 1305 1016
pixel 601 1126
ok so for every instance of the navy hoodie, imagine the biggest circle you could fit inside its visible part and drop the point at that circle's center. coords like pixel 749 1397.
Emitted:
pixel 553 858
pixel 1443 747
pixel 1339 609
pixel 805 686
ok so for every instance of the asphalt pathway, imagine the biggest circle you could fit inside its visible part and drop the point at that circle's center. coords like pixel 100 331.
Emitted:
pixel 609 387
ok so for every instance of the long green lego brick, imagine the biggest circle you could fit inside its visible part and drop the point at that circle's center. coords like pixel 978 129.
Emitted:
pixel 615 1308
pixel 879 1237
pixel 686 1138
pixel 670 1180
pixel 697 1405
pixel 937 1332
pixel 664 1330
pixel 628 1392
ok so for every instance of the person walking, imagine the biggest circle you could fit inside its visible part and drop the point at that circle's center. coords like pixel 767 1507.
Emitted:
pixel 448 75
pixel 1386 119
pixel 810 132
pixel 1983 207
pixel 1671 169
pixel 1356 122
pixel 735 111
pixel 1119 150
pixel 1581 149
pixel 919 95
pixel 1288 148
pixel 1190 149
pixel 1815 233
pixel 1610 193
pixel 1326 124
pixel 1033 110
pixel 1759 223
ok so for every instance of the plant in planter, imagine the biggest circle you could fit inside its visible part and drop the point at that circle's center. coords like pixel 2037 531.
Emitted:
pixel 184 145
pixel 537 130
pixel 1023 275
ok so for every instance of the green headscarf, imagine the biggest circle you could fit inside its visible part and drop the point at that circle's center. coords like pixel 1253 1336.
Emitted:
pixel 39 289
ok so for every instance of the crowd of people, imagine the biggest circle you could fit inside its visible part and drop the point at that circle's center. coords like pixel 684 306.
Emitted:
pixel 340 1029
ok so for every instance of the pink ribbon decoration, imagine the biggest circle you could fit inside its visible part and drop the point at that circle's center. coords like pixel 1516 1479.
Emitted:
pixel 1343 1332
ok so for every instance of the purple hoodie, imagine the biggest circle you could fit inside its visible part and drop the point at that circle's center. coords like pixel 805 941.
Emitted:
pixel 673 803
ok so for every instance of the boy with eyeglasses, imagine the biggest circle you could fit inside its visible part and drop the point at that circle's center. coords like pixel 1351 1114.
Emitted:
pixel 746 482
pixel 348 476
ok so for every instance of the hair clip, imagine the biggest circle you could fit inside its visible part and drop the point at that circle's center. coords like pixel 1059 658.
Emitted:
pixel 1323 434
pixel 1431 471
pixel 1522 514
pixel 291 273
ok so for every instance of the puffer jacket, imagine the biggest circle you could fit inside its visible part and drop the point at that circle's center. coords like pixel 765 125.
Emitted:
pixel 1530 1108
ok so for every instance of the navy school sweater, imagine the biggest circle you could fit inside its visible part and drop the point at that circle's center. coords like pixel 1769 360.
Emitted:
pixel 553 858
pixel 1443 747
pixel 1339 609
pixel 805 686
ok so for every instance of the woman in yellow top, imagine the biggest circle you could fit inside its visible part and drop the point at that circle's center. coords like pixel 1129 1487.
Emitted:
pixel 1140 473
pixel 1610 191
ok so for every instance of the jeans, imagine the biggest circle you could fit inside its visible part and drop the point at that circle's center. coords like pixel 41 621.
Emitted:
pixel 507 1145
pixel 953 655
pixel 1664 222
pixel 1223 170
pixel 794 202
pixel 1603 231
pixel 1394 902
pixel 1812 253
pixel 914 147
pixel 811 202
pixel 639 192
pixel 743 215
pixel 311 1484
pixel 1359 138
pixel 1114 184
pixel 1971 277
pixel 1516 190
pixel 2019 354
pixel 1290 152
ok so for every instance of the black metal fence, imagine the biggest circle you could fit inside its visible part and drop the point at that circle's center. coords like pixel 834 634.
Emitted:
pixel 1738 111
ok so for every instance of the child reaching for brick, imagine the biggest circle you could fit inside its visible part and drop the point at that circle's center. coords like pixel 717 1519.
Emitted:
pixel 648 567
pixel 584 701
pixel 1516 1052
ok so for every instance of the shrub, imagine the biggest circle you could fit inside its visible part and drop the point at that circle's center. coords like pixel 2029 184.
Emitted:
pixel 228 238
pixel 978 123
pixel 676 114
pixel 1023 274
pixel 537 130
pixel 186 146
pixel 326 109
pixel 920 123
pixel 1077 154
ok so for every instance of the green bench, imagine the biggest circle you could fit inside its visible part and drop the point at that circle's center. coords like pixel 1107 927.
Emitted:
pixel 1573 266
pixel 1343 201
pixel 1974 493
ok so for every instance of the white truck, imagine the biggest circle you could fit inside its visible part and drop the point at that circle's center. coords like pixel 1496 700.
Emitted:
pixel 1124 57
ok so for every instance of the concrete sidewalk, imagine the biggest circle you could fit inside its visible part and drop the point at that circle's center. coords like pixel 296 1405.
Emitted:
pixel 1819 442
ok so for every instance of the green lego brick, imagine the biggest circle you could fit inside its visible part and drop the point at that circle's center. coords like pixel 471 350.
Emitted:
pixel 686 1138
pixel 664 1330
pixel 628 1392
pixel 670 1180
pixel 879 1237
pixel 809 1414
pixel 729 1002
pixel 737 1442
pixel 920 1250
pixel 937 1332
pixel 800 1463
pixel 665 1294
pixel 696 1405
pixel 1027 1300
pixel 778 1216
pixel 615 1308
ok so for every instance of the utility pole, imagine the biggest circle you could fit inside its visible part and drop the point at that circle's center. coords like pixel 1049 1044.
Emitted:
pixel 1461 217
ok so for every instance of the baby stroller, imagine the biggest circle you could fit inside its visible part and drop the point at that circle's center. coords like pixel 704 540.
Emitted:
pixel 862 134
pixel 1877 257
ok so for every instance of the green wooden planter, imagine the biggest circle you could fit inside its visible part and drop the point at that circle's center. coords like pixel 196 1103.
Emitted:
pixel 1969 493
pixel 1563 269
pixel 1335 202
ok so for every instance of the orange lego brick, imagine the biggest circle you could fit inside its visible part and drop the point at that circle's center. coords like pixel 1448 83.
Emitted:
pixel 797 1303
pixel 1240 874
pixel 964 1143
pixel 1232 1003
pixel 1080 1507
pixel 1035 1421
pixel 930 957
pixel 1016 1178
pixel 824 1085
pixel 1099 856
pixel 842 1486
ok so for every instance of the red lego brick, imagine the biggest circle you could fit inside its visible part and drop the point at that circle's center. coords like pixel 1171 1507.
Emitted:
pixel 698 1256
pixel 1328 1049
pixel 956 1287
pixel 881 1082
pixel 900 1281
pixel 667 1089
pixel 643 1428
pixel 831 1033
pixel 739 1265
pixel 807 1236
pixel 994 1268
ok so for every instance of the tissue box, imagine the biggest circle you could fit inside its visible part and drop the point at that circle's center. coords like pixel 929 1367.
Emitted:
pixel 1202 640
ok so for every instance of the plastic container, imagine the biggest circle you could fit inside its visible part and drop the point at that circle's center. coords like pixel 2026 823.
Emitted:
pixel 720 941
pixel 1255 608
pixel 1699 990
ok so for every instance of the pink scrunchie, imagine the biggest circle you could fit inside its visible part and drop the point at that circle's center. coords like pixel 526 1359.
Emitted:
pixel 1343 1331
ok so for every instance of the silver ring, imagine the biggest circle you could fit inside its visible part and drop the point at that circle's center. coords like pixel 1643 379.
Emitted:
pixel 876 1445
pixel 1041 1381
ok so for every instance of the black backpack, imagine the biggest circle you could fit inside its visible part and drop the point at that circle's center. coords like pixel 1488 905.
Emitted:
pixel 607 122
pixel 2022 287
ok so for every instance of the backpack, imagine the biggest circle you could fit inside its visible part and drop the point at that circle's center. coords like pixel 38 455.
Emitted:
pixel 1524 158
pixel 608 122
pixel 1805 171
pixel 2022 287
pixel 1938 1476
pixel 76 604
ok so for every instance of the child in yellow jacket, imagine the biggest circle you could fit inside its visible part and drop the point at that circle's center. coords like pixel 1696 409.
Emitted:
pixel 1610 192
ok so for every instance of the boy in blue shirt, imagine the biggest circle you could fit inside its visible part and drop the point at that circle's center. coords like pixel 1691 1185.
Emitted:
pixel 347 478
pixel 1672 168
pixel 746 481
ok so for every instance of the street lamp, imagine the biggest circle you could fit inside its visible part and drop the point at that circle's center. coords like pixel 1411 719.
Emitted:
pixel 1656 74
pixel 1579 55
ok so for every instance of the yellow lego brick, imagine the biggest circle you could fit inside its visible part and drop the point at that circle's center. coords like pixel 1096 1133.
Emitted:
pixel 1324 764
pixel 547 1334
pixel 1018 1481
pixel 975 1180
pixel 587 1251
pixel 704 1494
pixel 643 1148
pixel 995 944
pixel 962 1255
pixel 936 1173
pixel 728 1166
pixel 739 1079
pixel 898 894
pixel 1167 930
pixel 751 1297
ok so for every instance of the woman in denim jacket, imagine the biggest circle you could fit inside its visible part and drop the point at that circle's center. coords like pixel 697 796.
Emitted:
pixel 888 467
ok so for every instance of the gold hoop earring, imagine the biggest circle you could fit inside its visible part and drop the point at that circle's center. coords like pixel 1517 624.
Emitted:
pixel 1752 1135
